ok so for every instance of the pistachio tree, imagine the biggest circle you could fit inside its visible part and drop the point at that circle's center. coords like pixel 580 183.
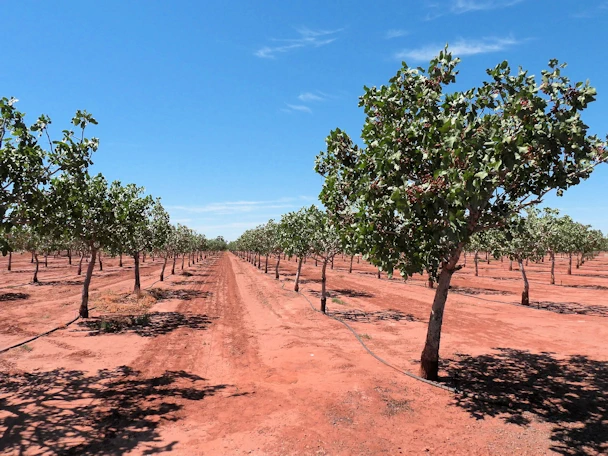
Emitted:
pixel 160 233
pixel 296 233
pixel 29 158
pixel 273 240
pixel 573 236
pixel 551 229
pixel 85 209
pixel 133 234
pixel 325 244
pixel 437 166
pixel 480 241
pixel 521 240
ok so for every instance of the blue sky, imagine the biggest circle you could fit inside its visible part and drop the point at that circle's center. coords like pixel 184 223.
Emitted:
pixel 221 107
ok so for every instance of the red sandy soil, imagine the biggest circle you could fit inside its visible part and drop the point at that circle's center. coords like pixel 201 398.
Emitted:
pixel 232 361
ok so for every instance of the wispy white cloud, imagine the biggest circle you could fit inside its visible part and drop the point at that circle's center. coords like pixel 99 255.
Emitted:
pixel 231 218
pixel 297 108
pixel 310 96
pixel 307 38
pixel 395 33
pixel 465 6
pixel 242 207
pixel 443 7
pixel 459 48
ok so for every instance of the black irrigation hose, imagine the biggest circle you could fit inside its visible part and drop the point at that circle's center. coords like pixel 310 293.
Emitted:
pixel 386 363
pixel 43 334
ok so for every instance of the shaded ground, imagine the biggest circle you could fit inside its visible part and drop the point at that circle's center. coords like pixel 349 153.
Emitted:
pixel 570 394
pixel 148 325
pixel 111 412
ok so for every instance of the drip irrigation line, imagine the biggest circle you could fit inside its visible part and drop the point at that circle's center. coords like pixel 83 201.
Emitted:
pixel 386 363
pixel 31 339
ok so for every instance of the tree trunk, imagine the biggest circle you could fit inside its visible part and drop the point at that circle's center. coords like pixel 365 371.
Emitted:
pixel 552 255
pixel 266 266
pixel 32 258
pixel 137 287
pixel 316 263
pixel 84 303
pixel 510 265
pixel 578 261
pixel 570 265
pixel 350 269
pixel 525 296
pixel 46 260
pixel 162 271
pixel 332 263
pixel 297 284
pixel 120 260
pixel 276 268
pixel 476 263
pixel 69 257
pixel 100 263
pixel 183 260
pixel 80 263
pixel 431 283
pixel 35 279
pixel 429 360
pixel 173 268
pixel 358 258
pixel 379 276
pixel 143 257
pixel 10 260
pixel 189 260
pixel 323 283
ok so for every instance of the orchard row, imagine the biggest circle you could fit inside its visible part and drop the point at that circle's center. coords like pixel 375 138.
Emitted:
pixel 440 171
pixel 49 202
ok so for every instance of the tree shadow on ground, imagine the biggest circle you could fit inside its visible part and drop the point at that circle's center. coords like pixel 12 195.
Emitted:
pixel 500 277
pixel 372 317
pixel 477 291
pixel 70 412
pixel 190 282
pixel 598 276
pixel 146 325
pixel 572 308
pixel 182 294
pixel 13 296
pixel 353 293
pixel 587 287
pixel 54 283
pixel 305 281
pixel 521 387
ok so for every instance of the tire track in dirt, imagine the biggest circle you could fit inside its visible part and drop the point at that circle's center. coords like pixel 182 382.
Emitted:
pixel 221 349
pixel 175 350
